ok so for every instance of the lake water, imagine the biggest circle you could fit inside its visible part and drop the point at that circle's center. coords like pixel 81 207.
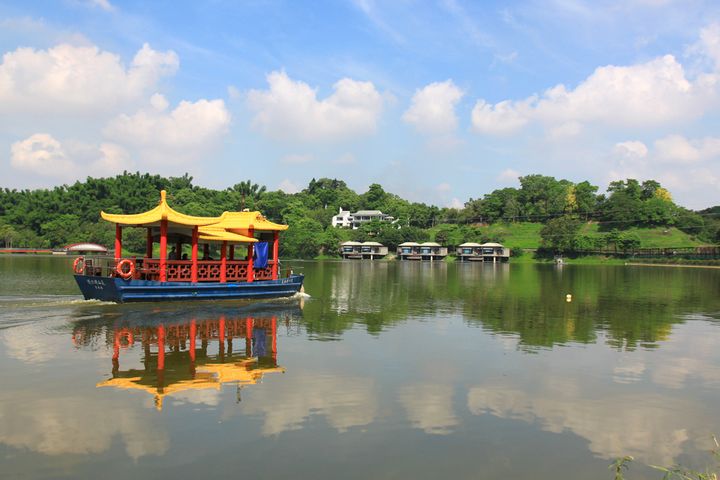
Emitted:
pixel 386 370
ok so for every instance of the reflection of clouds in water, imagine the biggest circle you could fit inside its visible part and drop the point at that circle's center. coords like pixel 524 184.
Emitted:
pixel 208 396
pixel 345 401
pixel 31 344
pixel 691 353
pixel 625 416
pixel 628 372
pixel 429 407
pixel 74 425
pixel 643 425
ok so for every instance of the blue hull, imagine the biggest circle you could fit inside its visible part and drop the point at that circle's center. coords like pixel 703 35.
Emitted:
pixel 118 290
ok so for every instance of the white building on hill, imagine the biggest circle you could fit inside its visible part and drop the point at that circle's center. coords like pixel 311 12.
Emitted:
pixel 345 219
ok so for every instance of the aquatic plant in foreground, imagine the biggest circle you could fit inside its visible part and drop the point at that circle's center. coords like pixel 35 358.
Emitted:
pixel 620 465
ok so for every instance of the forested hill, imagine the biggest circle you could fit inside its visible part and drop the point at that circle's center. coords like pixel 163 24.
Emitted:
pixel 70 213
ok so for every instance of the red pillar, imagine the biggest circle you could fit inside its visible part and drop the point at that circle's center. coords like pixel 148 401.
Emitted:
pixel 276 250
pixel 248 336
pixel 161 348
pixel 251 251
pixel 221 335
pixel 193 334
pixel 178 250
pixel 118 241
pixel 194 256
pixel 116 346
pixel 273 335
pixel 223 262
pixel 149 243
pixel 163 250
pixel 231 253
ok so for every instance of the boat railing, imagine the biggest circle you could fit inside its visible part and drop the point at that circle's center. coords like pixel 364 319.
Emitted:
pixel 175 270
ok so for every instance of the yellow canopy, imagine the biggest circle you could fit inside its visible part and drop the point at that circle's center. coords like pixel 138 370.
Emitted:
pixel 154 216
pixel 219 235
pixel 240 222
pixel 207 376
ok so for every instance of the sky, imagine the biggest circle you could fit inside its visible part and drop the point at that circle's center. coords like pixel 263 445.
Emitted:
pixel 438 101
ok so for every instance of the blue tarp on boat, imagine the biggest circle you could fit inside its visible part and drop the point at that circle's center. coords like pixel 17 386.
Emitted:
pixel 260 259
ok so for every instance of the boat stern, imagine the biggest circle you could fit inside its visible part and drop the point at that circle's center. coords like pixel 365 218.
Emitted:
pixel 99 288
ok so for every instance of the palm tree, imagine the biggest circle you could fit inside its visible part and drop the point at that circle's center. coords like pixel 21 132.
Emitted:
pixel 250 190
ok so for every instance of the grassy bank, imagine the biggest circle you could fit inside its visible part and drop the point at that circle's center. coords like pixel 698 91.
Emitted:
pixel 527 235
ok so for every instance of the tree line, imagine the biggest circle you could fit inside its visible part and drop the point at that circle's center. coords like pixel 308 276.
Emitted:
pixel 70 213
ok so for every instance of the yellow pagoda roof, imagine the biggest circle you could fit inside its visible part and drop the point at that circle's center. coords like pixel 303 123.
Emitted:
pixel 221 235
pixel 162 212
pixel 207 376
pixel 242 221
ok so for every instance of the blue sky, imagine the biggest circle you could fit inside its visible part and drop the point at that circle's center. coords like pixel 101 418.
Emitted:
pixel 439 101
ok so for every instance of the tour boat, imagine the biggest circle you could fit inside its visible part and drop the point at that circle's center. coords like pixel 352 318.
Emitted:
pixel 170 277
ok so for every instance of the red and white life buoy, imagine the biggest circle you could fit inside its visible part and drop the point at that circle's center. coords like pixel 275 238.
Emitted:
pixel 79 265
pixel 125 268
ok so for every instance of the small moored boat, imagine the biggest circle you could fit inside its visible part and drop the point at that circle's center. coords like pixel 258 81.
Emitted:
pixel 252 274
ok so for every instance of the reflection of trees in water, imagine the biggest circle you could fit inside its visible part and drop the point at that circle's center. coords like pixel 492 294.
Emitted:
pixel 632 306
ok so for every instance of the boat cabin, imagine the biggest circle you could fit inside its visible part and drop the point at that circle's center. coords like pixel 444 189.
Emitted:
pixel 247 246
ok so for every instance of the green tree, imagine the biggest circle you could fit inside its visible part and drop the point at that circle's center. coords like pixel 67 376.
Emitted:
pixel 559 234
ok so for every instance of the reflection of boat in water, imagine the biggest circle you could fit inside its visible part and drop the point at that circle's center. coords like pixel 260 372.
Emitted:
pixel 177 276
pixel 194 353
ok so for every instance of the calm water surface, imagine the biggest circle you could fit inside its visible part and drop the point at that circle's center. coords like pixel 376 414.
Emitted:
pixel 387 370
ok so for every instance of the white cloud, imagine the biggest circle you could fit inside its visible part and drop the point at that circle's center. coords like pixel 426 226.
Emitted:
pixel 653 93
pixel 42 154
pixel 679 150
pixel 633 149
pixel 508 175
pixel 69 80
pixel 686 166
pixel 433 108
pixel 503 118
pixel 297 158
pixel 290 110
pixel 181 135
pixel 288 187
pixel 102 4
pixel 707 48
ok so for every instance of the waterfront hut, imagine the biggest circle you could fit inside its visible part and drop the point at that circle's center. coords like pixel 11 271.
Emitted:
pixel 409 251
pixel 469 252
pixel 421 251
pixel 166 225
pixel 351 249
pixel 485 252
pixel 373 250
pixel 432 251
